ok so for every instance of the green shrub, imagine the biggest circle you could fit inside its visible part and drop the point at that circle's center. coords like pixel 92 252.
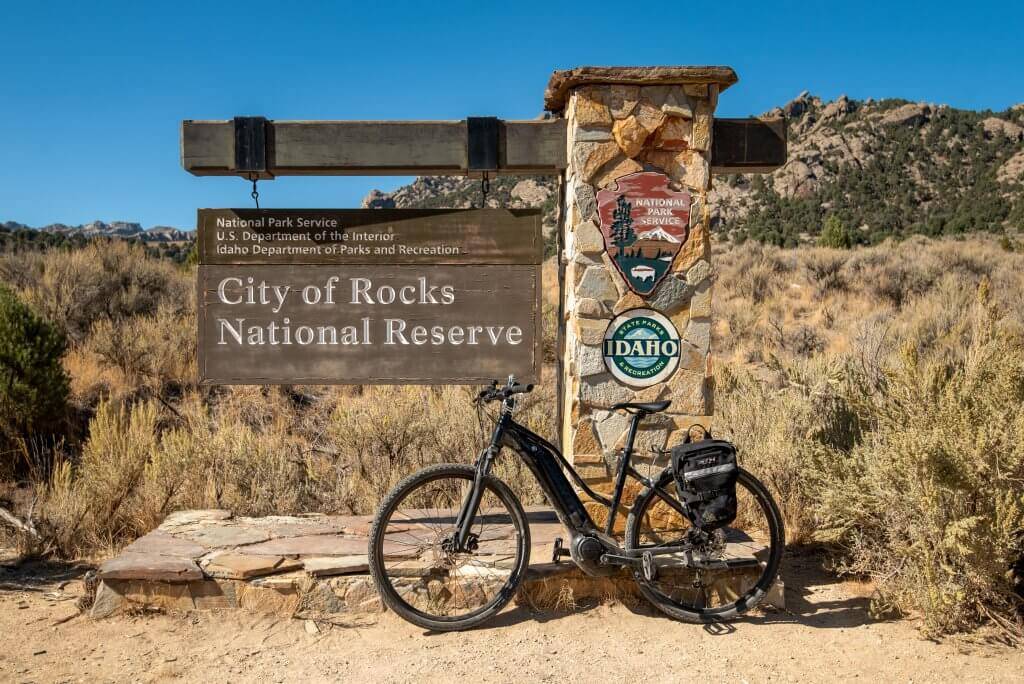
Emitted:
pixel 931 504
pixel 835 235
pixel 33 384
pixel 786 430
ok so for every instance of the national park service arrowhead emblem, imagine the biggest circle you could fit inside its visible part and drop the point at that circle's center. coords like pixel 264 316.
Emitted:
pixel 644 225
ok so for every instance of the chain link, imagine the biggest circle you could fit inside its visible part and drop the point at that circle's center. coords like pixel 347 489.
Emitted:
pixel 255 194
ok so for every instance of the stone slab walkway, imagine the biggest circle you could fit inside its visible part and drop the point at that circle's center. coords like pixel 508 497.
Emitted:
pixel 309 566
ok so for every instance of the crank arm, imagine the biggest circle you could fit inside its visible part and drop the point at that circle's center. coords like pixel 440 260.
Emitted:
pixel 616 559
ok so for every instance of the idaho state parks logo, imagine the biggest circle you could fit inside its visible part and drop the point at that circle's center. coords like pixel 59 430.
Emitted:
pixel 641 347
pixel 644 226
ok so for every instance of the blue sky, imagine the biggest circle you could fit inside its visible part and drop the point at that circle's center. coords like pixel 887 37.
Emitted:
pixel 91 93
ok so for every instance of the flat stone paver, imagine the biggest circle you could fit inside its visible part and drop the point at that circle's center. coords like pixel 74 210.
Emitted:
pixel 184 518
pixel 152 567
pixel 227 535
pixel 325 566
pixel 314 545
pixel 234 565
pixel 164 543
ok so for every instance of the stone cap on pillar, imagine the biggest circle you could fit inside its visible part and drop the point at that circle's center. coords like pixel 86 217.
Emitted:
pixel 562 82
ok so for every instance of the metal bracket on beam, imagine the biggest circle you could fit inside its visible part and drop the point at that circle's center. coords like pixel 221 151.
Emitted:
pixel 748 145
pixel 251 146
pixel 482 143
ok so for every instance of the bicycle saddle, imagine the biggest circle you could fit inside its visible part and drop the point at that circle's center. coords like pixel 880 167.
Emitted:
pixel 650 407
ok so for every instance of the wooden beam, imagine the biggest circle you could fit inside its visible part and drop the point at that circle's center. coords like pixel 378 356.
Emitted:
pixel 437 148
pixel 748 145
pixel 377 148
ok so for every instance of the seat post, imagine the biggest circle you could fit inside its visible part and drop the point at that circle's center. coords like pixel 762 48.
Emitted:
pixel 620 476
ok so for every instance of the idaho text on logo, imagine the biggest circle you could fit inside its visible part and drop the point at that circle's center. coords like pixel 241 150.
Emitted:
pixel 641 348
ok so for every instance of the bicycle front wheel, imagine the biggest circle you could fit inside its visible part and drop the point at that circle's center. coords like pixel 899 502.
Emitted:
pixel 419 574
pixel 718 575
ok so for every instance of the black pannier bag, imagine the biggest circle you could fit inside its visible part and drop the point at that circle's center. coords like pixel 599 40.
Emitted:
pixel 706 473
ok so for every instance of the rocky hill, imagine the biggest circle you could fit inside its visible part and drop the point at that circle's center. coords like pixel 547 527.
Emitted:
pixel 456 192
pixel 119 229
pixel 159 241
pixel 880 168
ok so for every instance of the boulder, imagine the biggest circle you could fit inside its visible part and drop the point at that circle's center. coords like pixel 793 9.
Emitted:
pixel 375 199
pixel 911 114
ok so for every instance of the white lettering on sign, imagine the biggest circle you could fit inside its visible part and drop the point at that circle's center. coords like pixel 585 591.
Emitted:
pixel 237 291
pixel 250 293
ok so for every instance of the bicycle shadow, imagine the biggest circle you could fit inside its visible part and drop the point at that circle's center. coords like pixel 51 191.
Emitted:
pixel 814 598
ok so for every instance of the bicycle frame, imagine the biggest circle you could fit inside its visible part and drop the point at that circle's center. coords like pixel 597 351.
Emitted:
pixel 549 466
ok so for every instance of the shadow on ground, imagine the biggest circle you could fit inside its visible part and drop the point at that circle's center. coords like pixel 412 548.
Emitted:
pixel 39 575
pixel 815 598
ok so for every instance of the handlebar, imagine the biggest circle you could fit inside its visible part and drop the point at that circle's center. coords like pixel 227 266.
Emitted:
pixel 495 393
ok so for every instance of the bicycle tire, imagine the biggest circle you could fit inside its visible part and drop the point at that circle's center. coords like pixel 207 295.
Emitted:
pixel 378 570
pixel 752 596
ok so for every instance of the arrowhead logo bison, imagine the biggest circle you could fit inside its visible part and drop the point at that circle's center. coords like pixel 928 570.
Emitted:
pixel 644 225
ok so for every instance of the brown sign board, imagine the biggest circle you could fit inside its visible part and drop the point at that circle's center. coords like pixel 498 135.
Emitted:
pixel 374 296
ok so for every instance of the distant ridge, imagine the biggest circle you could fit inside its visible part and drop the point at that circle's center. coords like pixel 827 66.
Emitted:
pixel 114 229
pixel 882 168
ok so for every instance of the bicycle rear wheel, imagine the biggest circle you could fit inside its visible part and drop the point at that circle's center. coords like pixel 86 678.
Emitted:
pixel 418 574
pixel 744 556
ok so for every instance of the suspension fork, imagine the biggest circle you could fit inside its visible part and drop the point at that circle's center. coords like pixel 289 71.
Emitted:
pixel 471 503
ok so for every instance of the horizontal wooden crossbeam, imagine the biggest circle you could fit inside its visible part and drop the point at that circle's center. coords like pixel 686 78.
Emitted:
pixel 255 147
pixel 373 148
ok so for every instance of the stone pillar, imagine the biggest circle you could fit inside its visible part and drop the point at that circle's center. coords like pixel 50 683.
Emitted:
pixel 622 121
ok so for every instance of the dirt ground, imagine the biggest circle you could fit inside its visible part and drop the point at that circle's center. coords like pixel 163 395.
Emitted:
pixel 826 634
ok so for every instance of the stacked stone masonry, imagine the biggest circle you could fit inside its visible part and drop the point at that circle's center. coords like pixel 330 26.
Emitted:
pixel 613 131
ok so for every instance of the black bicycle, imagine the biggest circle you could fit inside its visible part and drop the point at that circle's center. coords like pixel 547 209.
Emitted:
pixel 451 544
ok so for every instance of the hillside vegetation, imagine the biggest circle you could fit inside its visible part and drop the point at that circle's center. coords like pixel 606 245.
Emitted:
pixel 883 169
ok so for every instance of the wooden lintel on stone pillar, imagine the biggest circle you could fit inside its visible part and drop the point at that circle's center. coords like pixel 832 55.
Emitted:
pixel 748 145
pixel 378 148
pixel 340 148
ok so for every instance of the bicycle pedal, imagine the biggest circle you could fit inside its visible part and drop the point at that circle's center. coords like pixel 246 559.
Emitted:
pixel 560 552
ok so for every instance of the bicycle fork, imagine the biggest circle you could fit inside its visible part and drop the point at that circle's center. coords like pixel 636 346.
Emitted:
pixel 470 505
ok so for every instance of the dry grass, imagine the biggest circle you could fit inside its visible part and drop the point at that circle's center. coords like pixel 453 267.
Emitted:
pixel 568 592
pixel 872 391
pixel 897 437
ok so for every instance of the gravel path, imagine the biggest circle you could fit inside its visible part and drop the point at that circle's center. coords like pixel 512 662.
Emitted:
pixel 826 635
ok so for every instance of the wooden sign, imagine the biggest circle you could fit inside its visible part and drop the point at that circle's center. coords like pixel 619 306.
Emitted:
pixel 401 296
pixel 644 225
